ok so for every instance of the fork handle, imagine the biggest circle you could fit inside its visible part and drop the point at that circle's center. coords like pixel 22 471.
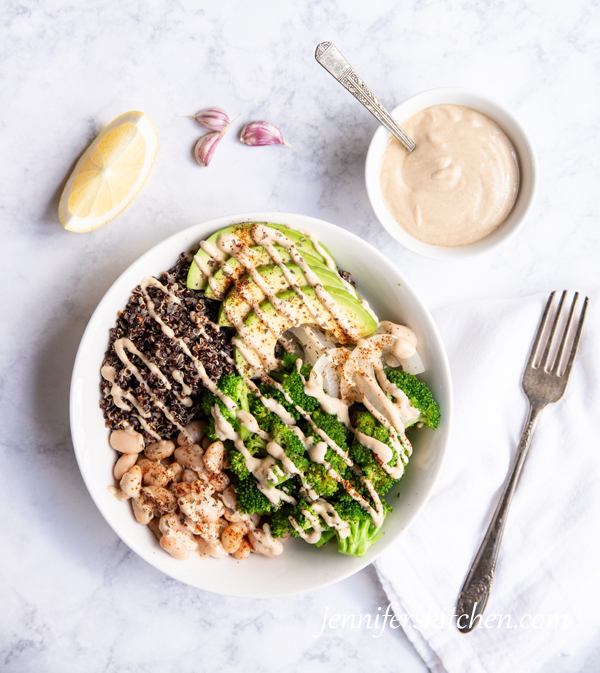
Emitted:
pixel 330 57
pixel 475 591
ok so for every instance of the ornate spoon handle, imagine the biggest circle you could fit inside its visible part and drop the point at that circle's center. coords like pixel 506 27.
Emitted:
pixel 475 591
pixel 328 55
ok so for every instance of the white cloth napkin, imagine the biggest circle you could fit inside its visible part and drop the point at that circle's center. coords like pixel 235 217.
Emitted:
pixel 550 557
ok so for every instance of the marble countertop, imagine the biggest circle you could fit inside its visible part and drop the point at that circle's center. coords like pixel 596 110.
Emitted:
pixel 74 597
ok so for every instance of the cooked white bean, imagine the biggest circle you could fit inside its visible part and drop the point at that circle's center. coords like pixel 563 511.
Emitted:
pixel 131 482
pixel 204 528
pixel 164 501
pixel 117 493
pixel 175 471
pixel 200 507
pixel 192 434
pixel 213 457
pixel 263 542
pixel 211 547
pixel 157 474
pixel 206 442
pixel 154 474
pixel 228 497
pixel 176 539
pixel 219 481
pixel 160 450
pixel 175 547
pixel 190 456
pixel 154 526
pixel 232 536
pixel 127 440
pixel 124 464
pixel 198 487
pixel 189 476
pixel 142 510
pixel 243 551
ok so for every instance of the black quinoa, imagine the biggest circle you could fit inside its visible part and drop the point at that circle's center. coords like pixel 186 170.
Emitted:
pixel 212 346
pixel 347 277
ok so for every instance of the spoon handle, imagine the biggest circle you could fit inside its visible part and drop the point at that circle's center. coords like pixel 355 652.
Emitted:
pixel 329 56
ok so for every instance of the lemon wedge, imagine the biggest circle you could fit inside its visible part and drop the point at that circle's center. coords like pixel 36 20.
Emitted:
pixel 109 174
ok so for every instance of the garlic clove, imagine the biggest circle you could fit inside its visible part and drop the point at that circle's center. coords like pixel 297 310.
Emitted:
pixel 261 133
pixel 212 118
pixel 206 146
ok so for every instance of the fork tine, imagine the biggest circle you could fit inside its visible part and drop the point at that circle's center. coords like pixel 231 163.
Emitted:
pixel 546 354
pixel 575 345
pixel 563 341
pixel 540 331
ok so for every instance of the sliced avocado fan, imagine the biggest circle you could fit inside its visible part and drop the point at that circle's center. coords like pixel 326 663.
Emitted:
pixel 235 307
pixel 196 280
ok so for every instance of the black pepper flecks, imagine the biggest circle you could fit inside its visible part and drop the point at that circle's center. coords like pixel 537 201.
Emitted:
pixel 212 345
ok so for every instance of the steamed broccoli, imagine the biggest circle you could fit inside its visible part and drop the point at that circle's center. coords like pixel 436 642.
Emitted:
pixel 363 532
pixel 331 426
pixel 263 416
pixel 292 382
pixel 419 395
pixel 288 440
pixel 234 387
pixel 323 484
pixel 249 499
pixel 280 520
pixel 236 461
pixel 366 423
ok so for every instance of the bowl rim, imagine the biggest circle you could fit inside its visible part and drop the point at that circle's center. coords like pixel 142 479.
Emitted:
pixel 528 169
pixel 187 236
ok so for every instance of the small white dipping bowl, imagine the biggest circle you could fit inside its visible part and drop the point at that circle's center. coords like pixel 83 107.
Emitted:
pixel 515 132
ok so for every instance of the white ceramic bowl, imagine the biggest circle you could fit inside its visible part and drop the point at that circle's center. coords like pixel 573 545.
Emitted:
pixel 301 567
pixel 512 128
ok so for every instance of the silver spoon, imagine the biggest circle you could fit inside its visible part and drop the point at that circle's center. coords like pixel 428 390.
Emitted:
pixel 329 56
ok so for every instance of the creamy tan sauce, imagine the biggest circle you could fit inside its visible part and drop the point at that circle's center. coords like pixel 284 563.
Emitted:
pixel 459 184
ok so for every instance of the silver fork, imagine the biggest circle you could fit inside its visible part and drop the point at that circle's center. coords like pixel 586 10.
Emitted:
pixel 544 382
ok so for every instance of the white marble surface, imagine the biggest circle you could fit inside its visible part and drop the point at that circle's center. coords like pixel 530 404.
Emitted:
pixel 73 597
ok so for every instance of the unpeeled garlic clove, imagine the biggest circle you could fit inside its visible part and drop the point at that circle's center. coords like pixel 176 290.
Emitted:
pixel 206 146
pixel 212 118
pixel 262 133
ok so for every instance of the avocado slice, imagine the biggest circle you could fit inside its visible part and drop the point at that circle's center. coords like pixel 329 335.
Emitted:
pixel 196 279
pixel 362 321
pixel 276 281
pixel 261 257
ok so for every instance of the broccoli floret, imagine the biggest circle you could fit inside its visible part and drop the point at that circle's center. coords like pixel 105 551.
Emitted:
pixel 363 532
pixel 234 387
pixel 379 478
pixel 323 484
pixel 292 382
pixel 419 395
pixel 236 461
pixel 331 426
pixel 249 499
pixel 290 365
pixel 264 417
pixel 367 424
pixel 280 520
pixel 294 449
